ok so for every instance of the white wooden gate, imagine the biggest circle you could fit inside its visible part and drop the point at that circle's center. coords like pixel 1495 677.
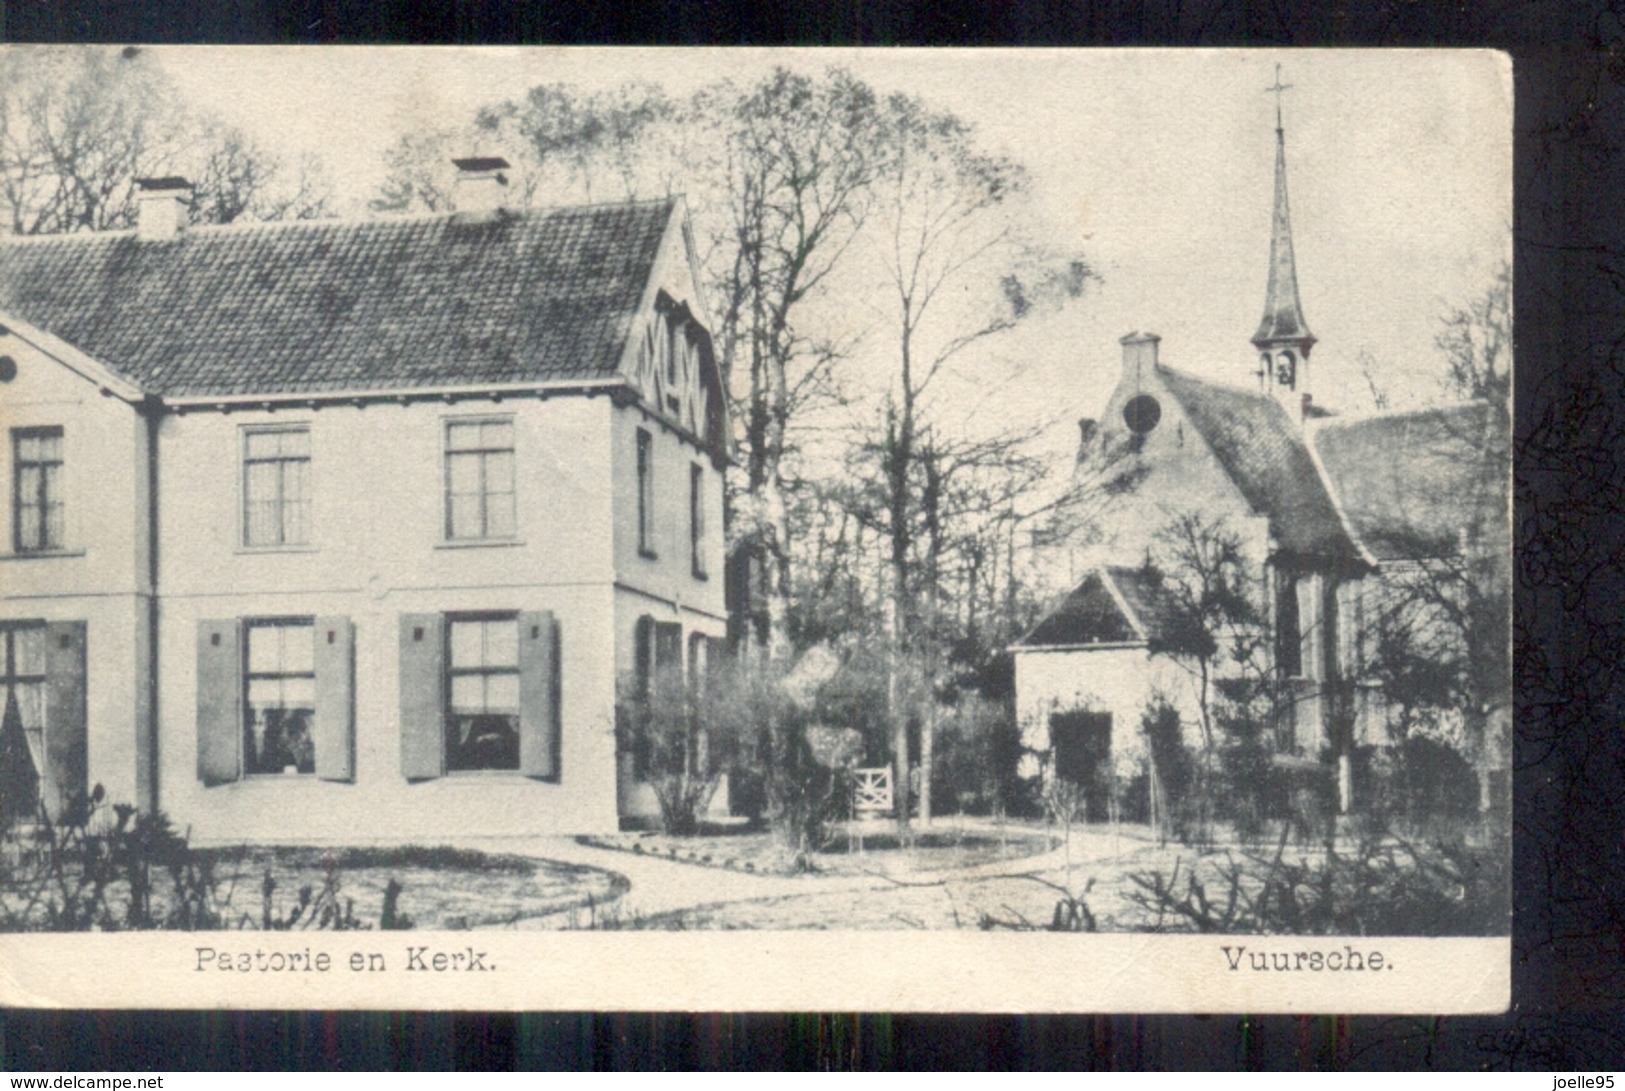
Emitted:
pixel 871 791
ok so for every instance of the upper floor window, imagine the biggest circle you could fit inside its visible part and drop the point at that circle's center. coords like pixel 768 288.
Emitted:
pixel 696 518
pixel 276 486
pixel 36 489
pixel 482 667
pixel 479 479
pixel 279 703
pixel 646 494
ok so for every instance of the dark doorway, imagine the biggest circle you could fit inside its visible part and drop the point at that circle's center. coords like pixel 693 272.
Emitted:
pixel 1082 743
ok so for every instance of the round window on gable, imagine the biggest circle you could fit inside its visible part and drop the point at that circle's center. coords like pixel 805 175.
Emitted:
pixel 1142 413
pixel 8 369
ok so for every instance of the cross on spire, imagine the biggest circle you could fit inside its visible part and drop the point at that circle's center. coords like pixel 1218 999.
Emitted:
pixel 1276 89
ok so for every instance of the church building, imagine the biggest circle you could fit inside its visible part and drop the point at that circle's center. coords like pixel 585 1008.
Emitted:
pixel 1377 543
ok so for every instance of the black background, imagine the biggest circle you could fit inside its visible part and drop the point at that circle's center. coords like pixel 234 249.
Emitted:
pixel 1569 783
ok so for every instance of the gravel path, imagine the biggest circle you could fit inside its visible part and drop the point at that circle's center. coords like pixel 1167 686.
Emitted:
pixel 661 886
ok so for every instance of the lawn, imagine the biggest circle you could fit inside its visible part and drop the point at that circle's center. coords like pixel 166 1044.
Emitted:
pixel 440 887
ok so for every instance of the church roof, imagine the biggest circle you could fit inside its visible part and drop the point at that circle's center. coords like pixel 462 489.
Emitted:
pixel 1113 605
pixel 1265 456
pixel 328 305
pixel 1412 483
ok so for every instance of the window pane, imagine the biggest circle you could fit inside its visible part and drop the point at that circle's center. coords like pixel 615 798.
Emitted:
pixel 496 433
pixel 30 704
pixel 468 693
pixel 467 643
pixel 279 740
pixel 502 692
pixel 296 523
pixel 499 520
pixel 463 435
pixel 463 473
pixel 264 649
pixel 465 516
pixel 502 643
pixel 29 649
pixel 262 444
pixel 52 537
pixel 28 483
pixel 298 649
pixel 295 442
pixel 499 472
pixel 482 741
pixel 299 692
pixel 265 692
pixel 260 527
pixel 28 526
pixel 296 480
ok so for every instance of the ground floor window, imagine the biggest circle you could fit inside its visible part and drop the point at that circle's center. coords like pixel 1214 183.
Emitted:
pixel 279 681
pixel 482 721
pixel 275 696
pixel 481 692
pixel 24 723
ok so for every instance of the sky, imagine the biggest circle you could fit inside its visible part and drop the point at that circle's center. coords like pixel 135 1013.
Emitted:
pixel 1157 164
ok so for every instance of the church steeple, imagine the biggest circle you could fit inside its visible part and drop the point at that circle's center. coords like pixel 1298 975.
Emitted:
pixel 1283 339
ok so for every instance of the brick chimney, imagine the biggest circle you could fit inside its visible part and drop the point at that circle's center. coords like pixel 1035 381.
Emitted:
pixel 482 184
pixel 1139 353
pixel 163 207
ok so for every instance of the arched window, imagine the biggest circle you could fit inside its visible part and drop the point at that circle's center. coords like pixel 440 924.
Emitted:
pixel 1286 370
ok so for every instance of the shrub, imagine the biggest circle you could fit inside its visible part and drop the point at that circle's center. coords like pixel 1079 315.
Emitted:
pixel 95 867
pixel 1384 886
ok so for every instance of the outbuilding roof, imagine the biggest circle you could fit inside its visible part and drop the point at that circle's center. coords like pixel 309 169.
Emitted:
pixel 1113 605
pixel 329 305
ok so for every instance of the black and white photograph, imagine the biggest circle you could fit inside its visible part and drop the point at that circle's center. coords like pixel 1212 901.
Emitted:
pixel 466 503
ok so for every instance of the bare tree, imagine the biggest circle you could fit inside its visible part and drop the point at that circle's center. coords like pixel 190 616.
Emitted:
pixel 79 126
pixel 801 158
pixel 958 269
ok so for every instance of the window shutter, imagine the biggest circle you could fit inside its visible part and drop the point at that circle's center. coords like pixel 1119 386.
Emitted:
pixel 423 705
pixel 219 701
pixel 539 685
pixel 643 654
pixel 65 733
pixel 335 698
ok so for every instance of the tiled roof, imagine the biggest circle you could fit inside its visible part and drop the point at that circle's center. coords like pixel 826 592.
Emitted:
pixel 1147 597
pixel 1089 614
pixel 322 306
pixel 1092 614
pixel 1412 483
pixel 1263 453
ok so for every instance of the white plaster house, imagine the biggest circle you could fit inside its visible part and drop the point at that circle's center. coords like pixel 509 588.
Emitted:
pixel 349 529
pixel 1335 513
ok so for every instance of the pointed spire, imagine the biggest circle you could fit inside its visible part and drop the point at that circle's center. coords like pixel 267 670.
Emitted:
pixel 1283 320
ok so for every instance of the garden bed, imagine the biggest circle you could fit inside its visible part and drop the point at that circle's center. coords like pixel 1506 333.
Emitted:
pixel 310 887
pixel 441 888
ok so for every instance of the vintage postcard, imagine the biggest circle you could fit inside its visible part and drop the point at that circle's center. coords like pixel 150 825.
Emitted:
pixel 705 529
